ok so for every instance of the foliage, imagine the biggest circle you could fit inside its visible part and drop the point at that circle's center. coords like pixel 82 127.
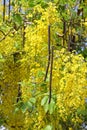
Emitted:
pixel 24 94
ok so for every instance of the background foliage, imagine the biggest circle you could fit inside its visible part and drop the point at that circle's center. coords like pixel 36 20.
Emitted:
pixel 43 68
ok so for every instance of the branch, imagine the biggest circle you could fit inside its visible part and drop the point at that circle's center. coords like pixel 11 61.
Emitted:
pixel 23 34
pixel 48 54
pixel 51 69
pixel 9 8
pixel 2 32
pixel 4 9
pixel 5 35
pixel 19 94
pixel 11 30
pixel 59 35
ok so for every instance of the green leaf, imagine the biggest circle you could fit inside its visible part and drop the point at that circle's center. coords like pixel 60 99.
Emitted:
pixel 17 19
pixel 51 106
pixel 24 107
pixel 32 3
pixel 43 84
pixel 29 105
pixel 48 127
pixel 46 107
pixel 44 100
pixel 1 121
pixel 40 73
pixel 32 100
pixel 16 110
pixel 13 3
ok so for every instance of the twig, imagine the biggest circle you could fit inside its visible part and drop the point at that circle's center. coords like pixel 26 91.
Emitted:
pixel 9 8
pixel 59 35
pixel 5 35
pixel 64 32
pixel 4 2
pixel 19 94
pixel 24 27
pixel 2 32
pixel 48 54
pixel 51 68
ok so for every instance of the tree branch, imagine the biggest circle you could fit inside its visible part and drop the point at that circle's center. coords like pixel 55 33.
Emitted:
pixel 10 31
pixel 48 54
pixel 5 35
pixel 9 8
pixel 2 32
pixel 51 69
pixel 4 2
